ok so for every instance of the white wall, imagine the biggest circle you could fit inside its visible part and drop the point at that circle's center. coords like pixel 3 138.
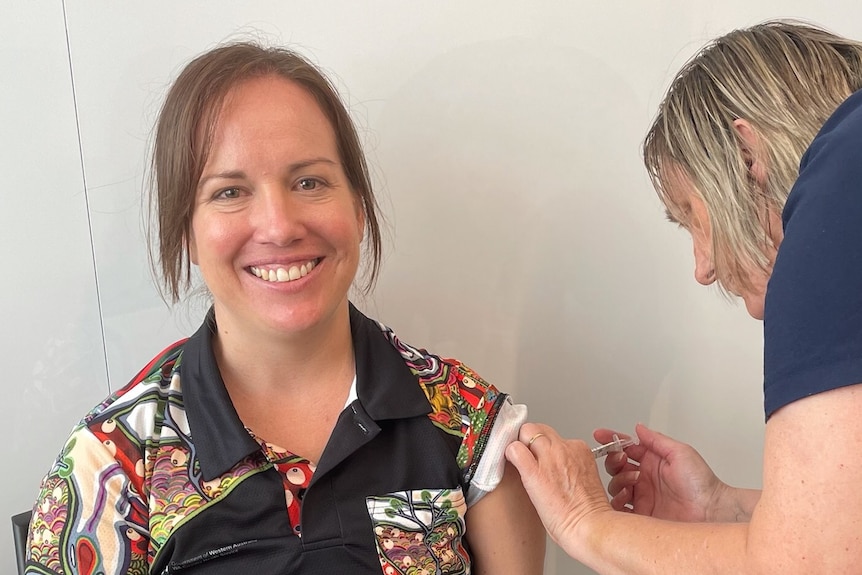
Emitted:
pixel 524 237
pixel 52 347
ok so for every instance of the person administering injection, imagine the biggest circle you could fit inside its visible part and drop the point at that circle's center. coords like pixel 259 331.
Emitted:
pixel 756 151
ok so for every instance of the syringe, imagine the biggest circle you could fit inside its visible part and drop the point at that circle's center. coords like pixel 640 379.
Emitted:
pixel 616 445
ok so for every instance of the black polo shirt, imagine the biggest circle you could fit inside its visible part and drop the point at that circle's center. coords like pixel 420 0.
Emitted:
pixel 183 487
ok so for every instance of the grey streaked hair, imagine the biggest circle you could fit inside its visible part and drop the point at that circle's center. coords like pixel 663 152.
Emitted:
pixel 785 78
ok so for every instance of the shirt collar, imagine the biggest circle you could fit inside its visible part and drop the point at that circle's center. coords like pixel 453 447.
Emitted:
pixel 219 436
pixel 385 386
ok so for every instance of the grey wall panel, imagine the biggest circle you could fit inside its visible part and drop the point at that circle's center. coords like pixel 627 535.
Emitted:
pixel 53 356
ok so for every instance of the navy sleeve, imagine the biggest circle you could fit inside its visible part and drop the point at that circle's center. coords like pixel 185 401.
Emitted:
pixel 813 308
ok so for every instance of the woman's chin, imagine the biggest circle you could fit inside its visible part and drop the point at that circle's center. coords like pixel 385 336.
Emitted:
pixel 754 306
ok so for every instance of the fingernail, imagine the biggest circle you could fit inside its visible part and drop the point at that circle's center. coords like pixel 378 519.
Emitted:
pixel 637 475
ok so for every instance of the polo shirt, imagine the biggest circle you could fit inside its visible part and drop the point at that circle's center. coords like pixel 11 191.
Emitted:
pixel 163 477
pixel 813 308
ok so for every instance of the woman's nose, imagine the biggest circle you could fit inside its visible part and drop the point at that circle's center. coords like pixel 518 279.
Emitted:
pixel 278 219
pixel 704 268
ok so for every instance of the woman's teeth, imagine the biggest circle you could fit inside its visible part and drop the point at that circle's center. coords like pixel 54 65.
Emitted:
pixel 282 274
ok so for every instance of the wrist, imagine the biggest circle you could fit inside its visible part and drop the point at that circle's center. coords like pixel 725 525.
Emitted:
pixel 588 535
pixel 731 504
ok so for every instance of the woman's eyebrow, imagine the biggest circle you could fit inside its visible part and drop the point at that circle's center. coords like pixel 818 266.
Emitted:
pixel 239 174
pixel 310 162
pixel 227 175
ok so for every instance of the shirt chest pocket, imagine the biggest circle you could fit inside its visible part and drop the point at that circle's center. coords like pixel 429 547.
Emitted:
pixel 420 531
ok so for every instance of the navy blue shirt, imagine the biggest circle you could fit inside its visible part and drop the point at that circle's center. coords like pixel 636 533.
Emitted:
pixel 813 308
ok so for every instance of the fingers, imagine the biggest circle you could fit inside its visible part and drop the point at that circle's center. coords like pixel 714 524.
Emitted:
pixel 559 476
pixel 616 462
pixel 520 456
pixel 532 434
pixel 603 435
pixel 623 482
pixel 622 501
pixel 521 453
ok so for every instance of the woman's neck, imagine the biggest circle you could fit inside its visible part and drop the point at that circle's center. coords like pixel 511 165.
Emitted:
pixel 289 390
pixel 319 359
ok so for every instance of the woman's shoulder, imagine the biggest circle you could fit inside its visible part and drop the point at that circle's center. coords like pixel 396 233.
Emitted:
pixel 155 380
pixel 437 370
pixel 839 138
pixel 829 174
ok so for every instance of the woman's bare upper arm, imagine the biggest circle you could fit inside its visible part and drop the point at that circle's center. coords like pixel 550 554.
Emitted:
pixel 504 531
pixel 810 512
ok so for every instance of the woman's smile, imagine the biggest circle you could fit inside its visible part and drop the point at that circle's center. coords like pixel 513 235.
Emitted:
pixel 280 274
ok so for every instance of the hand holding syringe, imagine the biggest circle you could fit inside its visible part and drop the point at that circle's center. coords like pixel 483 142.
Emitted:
pixel 616 445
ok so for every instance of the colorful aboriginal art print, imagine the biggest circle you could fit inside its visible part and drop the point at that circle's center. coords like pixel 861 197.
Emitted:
pixel 129 477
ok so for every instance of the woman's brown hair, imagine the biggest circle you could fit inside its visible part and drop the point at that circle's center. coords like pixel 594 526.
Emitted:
pixel 183 137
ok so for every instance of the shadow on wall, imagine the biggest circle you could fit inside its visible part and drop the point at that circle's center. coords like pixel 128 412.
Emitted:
pixel 523 222
pixel 526 232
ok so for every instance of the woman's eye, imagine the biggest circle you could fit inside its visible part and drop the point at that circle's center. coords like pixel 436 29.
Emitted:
pixel 308 184
pixel 228 194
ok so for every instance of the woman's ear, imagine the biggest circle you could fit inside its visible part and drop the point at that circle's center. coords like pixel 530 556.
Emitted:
pixel 752 150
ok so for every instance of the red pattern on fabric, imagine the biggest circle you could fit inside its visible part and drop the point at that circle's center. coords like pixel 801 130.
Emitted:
pixel 86 557
pixel 296 473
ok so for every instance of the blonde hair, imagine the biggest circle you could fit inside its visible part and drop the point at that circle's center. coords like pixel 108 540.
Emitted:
pixel 785 78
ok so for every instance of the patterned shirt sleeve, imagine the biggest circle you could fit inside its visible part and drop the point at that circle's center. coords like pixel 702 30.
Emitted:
pixel 479 403
pixel 492 463
pixel 89 516
pixel 466 406
pixel 486 419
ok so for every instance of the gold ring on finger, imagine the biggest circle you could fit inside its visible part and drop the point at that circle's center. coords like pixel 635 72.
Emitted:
pixel 534 438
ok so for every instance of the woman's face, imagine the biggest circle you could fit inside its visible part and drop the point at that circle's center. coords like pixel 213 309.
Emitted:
pixel 694 218
pixel 276 228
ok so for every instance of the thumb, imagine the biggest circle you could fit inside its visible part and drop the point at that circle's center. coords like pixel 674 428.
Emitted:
pixel 522 458
pixel 659 443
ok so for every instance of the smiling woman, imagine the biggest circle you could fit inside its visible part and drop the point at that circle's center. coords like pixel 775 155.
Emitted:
pixel 290 434
pixel 268 204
